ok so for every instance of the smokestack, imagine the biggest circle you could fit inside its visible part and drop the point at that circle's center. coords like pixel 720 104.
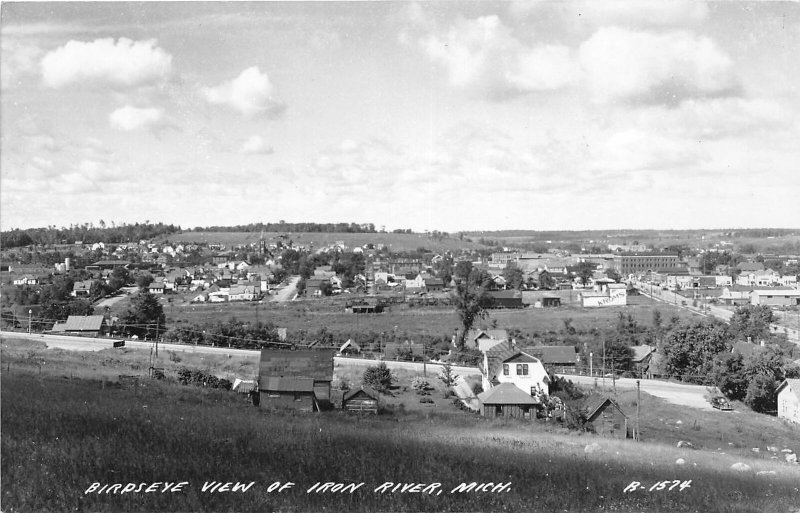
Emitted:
pixel 66 264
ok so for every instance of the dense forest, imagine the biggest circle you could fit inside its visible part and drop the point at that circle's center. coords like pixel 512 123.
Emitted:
pixel 87 233
pixel 283 226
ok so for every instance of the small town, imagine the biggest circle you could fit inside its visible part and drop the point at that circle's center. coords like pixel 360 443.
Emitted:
pixel 400 256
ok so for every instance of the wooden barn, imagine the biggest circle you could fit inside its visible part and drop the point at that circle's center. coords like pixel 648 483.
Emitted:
pixel 362 400
pixel 607 419
pixel 291 393
pixel 297 370
pixel 507 400
pixel 506 298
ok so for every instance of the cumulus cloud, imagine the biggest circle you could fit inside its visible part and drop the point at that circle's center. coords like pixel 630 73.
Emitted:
pixel 251 93
pixel 255 145
pixel 128 118
pixel 482 55
pixel 636 13
pixel 105 62
pixel 655 68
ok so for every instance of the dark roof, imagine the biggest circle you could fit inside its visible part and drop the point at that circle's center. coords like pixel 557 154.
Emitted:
pixel 553 355
pixel 363 388
pixel 286 385
pixel 314 364
pixel 598 405
pixel 506 393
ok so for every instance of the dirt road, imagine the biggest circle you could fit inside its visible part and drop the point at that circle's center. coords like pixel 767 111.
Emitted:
pixel 288 292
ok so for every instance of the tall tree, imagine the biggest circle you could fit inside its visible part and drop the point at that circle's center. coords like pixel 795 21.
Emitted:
pixel 690 349
pixel 513 275
pixel 471 300
pixel 145 317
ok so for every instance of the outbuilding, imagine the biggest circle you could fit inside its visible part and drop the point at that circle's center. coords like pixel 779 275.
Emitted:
pixel 789 400
pixel 607 418
pixel 507 400
pixel 362 400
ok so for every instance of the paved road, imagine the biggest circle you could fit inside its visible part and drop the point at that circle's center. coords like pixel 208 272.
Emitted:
pixel 288 292
pixel 716 311
pixel 676 393
pixel 434 368
pixel 109 301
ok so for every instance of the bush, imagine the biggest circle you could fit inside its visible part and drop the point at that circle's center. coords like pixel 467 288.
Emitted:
pixel 421 385
pixel 477 388
pixel 426 400
pixel 379 377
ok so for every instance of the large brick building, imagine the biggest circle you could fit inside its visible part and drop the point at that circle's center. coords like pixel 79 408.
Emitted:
pixel 640 264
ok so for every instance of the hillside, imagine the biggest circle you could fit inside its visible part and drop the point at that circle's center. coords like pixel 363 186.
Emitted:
pixel 61 435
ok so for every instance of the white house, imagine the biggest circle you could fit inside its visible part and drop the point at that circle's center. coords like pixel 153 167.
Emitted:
pixel 616 294
pixel 504 363
pixel 27 280
pixel 789 400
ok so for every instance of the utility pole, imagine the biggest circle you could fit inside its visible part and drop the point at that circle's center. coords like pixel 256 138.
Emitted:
pixel 30 320
pixel 590 364
pixel 157 339
pixel 638 400
pixel 604 364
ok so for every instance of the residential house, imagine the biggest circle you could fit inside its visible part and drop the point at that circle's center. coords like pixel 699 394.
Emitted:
pixel 349 347
pixel 640 360
pixel 362 400
pixel 82 288
pixel 433 284
pixel 735 295
pixel 789 400
pixel 26 279
pixel 504 363
pixel 157 287
pixel 295 379
pixel 243 293
pixel 607 418
pixel 507 400
pixel 314 286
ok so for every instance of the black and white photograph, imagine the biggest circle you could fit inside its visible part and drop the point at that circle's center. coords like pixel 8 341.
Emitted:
pixel 400 256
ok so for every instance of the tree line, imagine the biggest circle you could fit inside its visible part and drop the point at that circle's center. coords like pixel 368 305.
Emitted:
pixel 88 233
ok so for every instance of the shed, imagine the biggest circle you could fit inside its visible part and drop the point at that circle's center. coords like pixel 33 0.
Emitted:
pixel 607 418
pixel 363 400
pixel 291 393
pixel 551 301
pixel 507 400
pixel 349 347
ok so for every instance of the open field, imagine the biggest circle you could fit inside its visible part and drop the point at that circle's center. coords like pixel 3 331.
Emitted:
pixel 313 314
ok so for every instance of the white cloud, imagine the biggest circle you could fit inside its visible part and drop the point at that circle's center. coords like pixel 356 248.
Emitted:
pixel 637 13
pixel 255 145
pixel 251 93
pixel 19 60
pixel 124 63
pixel 654 68
pixel 482 55
pixel 130 118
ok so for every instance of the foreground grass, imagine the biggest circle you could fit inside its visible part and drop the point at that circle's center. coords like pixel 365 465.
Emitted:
pixel 60 436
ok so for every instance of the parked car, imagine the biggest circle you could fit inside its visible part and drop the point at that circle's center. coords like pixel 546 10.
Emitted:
pixel 720 403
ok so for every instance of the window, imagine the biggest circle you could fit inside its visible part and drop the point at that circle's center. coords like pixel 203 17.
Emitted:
pixel 522 369
pixel 505 369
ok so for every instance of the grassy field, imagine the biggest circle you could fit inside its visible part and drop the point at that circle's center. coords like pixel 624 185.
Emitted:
pixel 60 436
pixel 313 314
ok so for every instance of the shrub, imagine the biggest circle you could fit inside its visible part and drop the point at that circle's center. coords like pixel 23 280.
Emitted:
pixel 426 400
pixel 378 377
pixel 421 385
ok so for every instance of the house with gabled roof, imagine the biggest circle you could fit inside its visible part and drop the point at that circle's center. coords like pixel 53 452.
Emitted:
pixel 505 363
pixel 483 340
pixel 789 400
pixel 295 379
pixel 555 358
pixel 82 288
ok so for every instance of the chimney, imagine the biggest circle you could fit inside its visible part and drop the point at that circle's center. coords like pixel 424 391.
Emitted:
pixel 762 343
pixel 749 340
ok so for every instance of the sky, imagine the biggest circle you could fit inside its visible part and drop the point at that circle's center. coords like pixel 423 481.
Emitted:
pixel 451 116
